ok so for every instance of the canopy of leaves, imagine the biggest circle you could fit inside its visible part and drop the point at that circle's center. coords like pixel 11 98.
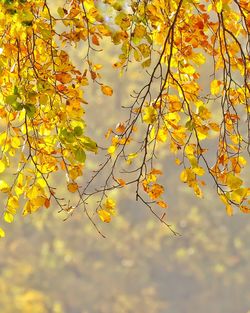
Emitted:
pixel 42 101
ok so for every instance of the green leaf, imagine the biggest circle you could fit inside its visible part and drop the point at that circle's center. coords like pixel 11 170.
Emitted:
pixel 67 136
pixel 80 155
pixel 16 91
pixel 60 12
pixel 70 137
pixel 11 99
pixel 78 131
pixel 90 145
pixel 30 110
pixel 190 125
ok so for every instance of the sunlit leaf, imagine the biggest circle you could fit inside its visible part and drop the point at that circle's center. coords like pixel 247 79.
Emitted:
pixel 215 87
pixel 104 215
pixel 4 187
pixel 2 233
pixel 8 217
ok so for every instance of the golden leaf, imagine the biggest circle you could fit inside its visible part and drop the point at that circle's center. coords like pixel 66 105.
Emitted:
pixel 2 233
pixel 219 6
pixel 4 187
pixel 106 90
pixel 104 215
pixel 111 150
pixel 72 187
pixel 155 191
pixel 229 210
pixel 215 87
pixel 149 115
pixel 199 171
pixel 110 205
pixel 162 204
pixel 184 176
pixel 2 166
pixel 233 182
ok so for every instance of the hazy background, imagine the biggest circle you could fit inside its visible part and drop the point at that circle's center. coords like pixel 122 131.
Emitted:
pixel 51 266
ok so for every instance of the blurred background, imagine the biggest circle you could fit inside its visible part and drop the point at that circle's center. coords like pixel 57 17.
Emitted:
pixel 51 266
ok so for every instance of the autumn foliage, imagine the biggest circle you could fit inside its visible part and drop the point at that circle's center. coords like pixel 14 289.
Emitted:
pixel 42 101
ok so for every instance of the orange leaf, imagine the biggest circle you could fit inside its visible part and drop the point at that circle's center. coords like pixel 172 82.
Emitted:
pixel 72 187
pixel 162 204
pixel 64 78
pixel 121 182
pixel 106 90
pixel 47 203
pixel 95 40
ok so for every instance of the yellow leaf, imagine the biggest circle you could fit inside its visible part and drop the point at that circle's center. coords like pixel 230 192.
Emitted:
pixel 144 49
pixel 242 160
pixel 215 87
pixel 72 187
pixel 2 166
pixel 8 217
pixel 229 210
pixel 110 205
pixel 4 187
pixel 190 149
pixel 202 132
pixel 27 208
pixel 233 182
pixel 15 142
pixel 184 176
pixel 162 135
pixel 188 69
pixel 199 58
pixel 35 191
pixel 104 215
pixel 224 199
pixel 178 161
pixel 197 191
pixel 139 31
pixel 111 150
pixel 75 172
pixel 193 161
pixel 199 171
pixel 238 195
pixel 149 115
pixel 2 233
pixel 219 6
pixel 130 157
pixel 13 204
pixel 106 90
pixel 37 203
